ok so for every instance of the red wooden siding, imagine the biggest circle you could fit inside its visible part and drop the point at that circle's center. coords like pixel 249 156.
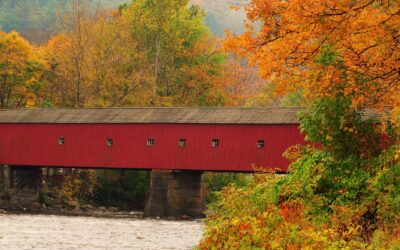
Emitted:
pixel 85 146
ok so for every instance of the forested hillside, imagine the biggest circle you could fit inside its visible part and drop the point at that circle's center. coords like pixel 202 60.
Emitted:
pixel 220 16
pixel 37 20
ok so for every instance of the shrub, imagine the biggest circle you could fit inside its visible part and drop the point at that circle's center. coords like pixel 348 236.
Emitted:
pixel 217 181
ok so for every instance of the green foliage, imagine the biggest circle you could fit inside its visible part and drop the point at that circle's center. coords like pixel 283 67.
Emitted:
pixel 292 100
pixel 215 182
pixel 125 188
pixel 386 189
pixel 341 129
pixel 328 56
pixel 44 196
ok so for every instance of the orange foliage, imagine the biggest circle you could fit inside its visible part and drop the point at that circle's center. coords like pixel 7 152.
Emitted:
pixel 363 36
pixel 241 83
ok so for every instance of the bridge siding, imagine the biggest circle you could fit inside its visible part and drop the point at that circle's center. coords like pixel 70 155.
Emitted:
pixel 85 146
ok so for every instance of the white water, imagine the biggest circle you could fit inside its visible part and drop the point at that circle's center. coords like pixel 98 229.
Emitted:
pixel 63 232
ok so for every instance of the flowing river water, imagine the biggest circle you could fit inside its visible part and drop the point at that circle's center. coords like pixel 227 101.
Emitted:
pixel 78 232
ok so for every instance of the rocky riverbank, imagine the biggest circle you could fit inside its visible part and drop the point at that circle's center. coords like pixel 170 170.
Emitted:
pixel 87 211
pixel 100 212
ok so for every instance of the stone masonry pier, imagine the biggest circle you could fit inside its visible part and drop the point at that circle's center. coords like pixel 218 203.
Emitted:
pixel 176 194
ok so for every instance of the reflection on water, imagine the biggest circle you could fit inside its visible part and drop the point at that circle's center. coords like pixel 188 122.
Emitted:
pixel 62 232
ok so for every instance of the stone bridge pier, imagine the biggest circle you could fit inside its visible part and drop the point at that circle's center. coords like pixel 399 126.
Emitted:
pixel 20 187
pixel 177 194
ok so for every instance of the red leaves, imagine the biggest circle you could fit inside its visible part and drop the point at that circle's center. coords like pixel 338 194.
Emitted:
pixel 291 211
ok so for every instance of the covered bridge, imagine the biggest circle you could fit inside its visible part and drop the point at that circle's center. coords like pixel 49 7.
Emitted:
pixel 176 144
pixel 206 139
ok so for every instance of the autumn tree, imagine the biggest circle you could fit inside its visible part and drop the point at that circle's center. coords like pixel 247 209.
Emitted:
pixel 185 62
pixel 323 47
pixel 20 72
pixel 244 87
pixel 119 74
pixel 68 66
pixel 109 70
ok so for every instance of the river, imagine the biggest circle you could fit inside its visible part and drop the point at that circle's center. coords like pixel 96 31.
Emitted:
pixel 78 232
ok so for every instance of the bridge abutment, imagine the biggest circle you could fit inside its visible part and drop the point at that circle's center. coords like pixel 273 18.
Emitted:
pixel 5 187
pixel 175 194
pixel 20 187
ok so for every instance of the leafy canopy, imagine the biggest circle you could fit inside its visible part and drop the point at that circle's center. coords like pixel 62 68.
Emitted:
pixel 317 45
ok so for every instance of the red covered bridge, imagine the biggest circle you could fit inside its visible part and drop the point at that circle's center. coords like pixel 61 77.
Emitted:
pixel 177 144
pixel 211 139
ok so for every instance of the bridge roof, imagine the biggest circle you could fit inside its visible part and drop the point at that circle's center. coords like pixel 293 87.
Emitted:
pixel 153 115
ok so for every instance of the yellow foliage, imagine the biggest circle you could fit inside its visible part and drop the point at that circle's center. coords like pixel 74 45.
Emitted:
pixel 20 72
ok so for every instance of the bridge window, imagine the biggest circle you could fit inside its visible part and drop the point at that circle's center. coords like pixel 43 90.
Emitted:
pixel 215 143
pixel 109 142
pixel 260 143
pixel 182 142
pixel 150 142
pixel 61 141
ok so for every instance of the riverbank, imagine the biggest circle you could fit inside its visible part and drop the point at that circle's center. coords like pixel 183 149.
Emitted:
pixel 97 212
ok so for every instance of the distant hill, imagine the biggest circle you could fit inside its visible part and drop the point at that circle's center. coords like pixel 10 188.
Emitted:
pixel 35 19
pixel 220 17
